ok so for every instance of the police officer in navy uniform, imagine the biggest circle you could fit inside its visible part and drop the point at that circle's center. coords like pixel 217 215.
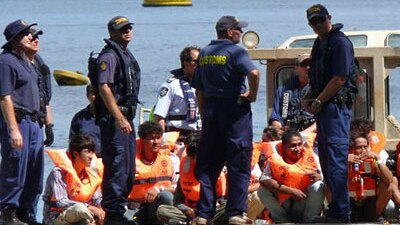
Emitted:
pixel 118 87
pixel 176 107
pixel 332 73
pixel 44 82
pixel 83 122
pixel 227 130
pixel 287 110
pixel 21 172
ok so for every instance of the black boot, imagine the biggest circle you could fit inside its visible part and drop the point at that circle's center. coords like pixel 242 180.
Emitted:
pixel 117 219
pixel 9 217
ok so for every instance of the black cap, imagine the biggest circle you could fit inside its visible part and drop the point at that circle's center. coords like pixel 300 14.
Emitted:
pixel 118 22
pixel 317 10
pixel 15 28
pixel 229 22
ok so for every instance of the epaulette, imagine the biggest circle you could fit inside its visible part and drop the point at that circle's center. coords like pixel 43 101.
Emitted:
pixel 171 79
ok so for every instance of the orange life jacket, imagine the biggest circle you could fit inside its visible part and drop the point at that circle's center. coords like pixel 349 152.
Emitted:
pixel 291 175
pixel 254 160
pixel 159 173
pixel 80 190
pixel 377 141
pixel 367 187
pixel 191 186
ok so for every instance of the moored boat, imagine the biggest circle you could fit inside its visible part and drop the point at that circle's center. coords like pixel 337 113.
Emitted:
pixel 167 2
pixel 67 77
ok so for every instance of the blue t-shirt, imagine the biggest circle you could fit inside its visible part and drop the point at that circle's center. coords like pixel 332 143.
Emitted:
pixel 222 69
pixel 19 79
pixel 338 61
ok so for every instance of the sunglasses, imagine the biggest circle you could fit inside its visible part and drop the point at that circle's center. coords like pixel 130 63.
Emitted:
pixel 238 28
pixel 317 20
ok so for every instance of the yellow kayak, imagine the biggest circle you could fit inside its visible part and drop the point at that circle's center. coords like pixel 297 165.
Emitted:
pixel 67 77
pixel 167 2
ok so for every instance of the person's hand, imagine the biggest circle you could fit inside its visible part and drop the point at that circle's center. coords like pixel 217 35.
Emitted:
pixel 247 97
pixel 16 139
pixel 151 195
pixel 306 104
pixel 124 125
pixel 352 158
pixel 297 194
pixel 190 213
pixel 98 213
pixel 314 176
pixel 49 135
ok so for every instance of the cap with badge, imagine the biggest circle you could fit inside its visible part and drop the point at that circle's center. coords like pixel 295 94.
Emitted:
pixel 118 22
pixel 317 10
pixel 229 22
pixel 13 29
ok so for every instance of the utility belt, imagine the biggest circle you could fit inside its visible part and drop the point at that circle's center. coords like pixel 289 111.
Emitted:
pixel 300 122
pixel 344 98
pixel 176 117
pixel 21 114
pixel 128 111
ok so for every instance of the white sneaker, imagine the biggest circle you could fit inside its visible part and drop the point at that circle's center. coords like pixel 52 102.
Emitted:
pixel 199 221
pixel 240 220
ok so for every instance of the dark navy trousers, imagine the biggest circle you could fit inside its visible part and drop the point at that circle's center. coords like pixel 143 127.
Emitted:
pixel 21 170
pixel 226 138
pixel 119 153
pixel 333 124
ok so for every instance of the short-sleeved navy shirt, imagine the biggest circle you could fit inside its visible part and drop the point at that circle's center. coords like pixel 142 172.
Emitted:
pixel 222 69
pixel 339 61
pixel 19 79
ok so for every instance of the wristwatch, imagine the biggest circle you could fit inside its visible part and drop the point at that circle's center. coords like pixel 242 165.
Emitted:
pixel 318 102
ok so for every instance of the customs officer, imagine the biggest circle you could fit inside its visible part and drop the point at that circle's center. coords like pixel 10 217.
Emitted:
pixel 118 76
pixel 21 172
pixel 332 73
pixel 227 133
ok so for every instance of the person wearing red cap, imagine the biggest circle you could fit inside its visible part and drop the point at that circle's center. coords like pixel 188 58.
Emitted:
pixel 21 172
pixel 117 91
pixel 225 109
pixel 330 99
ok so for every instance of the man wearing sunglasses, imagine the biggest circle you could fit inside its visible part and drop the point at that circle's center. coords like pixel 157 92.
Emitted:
pixel 21 172
pixel 332 70
pixel 227 130
pixel 118 77
pixel 176 107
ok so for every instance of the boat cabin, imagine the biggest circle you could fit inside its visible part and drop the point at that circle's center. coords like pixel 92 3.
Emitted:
pixel 378 53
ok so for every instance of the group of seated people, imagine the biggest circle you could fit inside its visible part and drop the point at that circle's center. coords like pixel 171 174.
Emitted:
pixel 286 183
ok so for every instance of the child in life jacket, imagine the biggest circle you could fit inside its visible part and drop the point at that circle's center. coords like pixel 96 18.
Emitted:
pixel 73 188
pixel 155 174
pixel 369 180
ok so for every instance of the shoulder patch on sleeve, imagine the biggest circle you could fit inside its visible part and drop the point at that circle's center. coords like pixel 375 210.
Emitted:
pixel 163 91
pixel 103 66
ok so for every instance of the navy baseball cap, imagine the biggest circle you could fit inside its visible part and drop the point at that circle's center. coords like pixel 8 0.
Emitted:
pixel 15 28
pixel 118 22
pixel 35 32
pixel 317 10
pixel 229 22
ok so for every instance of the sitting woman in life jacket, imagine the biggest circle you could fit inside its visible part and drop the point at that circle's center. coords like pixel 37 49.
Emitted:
pixel 155 173
pixel 187 191
pixel 369 180
pixel 73 188
pixel 291 183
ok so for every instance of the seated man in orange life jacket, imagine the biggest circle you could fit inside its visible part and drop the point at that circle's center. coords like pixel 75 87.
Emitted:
pixel 188 190
pixel 369 180
pixel 291 183
pixel 72 194
pixel 155 178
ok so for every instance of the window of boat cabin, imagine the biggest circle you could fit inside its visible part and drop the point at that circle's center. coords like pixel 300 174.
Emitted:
pixel 362 102
pixel 393 40
pixel 358 40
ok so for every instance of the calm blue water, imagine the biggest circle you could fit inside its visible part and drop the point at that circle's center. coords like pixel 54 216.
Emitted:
pixel 73 28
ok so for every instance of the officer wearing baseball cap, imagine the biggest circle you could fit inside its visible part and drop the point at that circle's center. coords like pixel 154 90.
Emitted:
pixel 21 172
pixel 118 77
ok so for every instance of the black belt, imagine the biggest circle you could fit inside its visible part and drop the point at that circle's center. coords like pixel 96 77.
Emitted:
pixel 176 117
pixel 21 114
